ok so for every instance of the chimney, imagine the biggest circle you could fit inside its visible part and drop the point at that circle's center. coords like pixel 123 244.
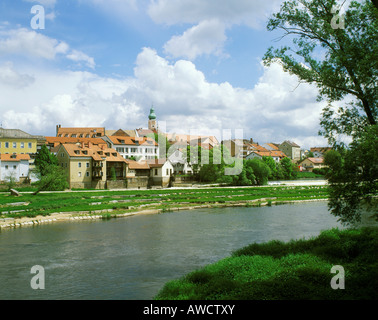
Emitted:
pixel 57 129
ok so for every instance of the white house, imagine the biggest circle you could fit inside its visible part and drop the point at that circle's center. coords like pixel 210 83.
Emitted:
pixel 16 165
pixel 161 171
pixel 179 162
pixel 319 152
pixel 277 155
pixel 141 148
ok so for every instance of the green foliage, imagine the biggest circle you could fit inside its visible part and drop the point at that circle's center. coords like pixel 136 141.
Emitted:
pixel 260 170
pixel 288 170
pixel 298 270
pixel 44 159
pixel 272 166
pixel 348 64
pixel 113 174
pixel 353 177
pixel 10 180
pixel 54 179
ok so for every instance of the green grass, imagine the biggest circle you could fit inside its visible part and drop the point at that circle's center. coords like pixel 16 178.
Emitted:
pixel 47 203
pixel 298 270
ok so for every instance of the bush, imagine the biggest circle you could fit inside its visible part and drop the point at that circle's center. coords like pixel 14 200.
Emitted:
pixel 282 271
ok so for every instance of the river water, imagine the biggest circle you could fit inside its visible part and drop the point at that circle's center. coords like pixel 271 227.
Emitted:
pixel 132 258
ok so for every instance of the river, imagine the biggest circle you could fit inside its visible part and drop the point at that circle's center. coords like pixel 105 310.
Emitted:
pixel 132 258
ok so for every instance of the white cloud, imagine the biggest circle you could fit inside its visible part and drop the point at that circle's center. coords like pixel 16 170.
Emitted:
pixel 79 56
pixel 29 43
pixel 210 19
pixel 10 77
pixel 181 94
pixel 246 12
pixel 208 37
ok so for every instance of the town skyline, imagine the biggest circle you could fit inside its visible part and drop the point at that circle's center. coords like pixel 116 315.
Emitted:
pixel 201 70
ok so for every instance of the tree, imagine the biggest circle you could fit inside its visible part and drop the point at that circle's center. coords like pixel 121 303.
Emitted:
pixel 272 166
pixel 339 54
pixel 54 179
pixel 44 159
pixel 10 180
pixel 260 170
pixel 353 177
pixel 288 169
pixel 349 63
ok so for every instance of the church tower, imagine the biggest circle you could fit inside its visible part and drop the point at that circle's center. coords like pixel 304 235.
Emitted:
pixel 152 123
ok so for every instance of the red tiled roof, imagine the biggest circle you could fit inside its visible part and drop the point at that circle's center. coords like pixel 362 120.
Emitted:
pixel 121 140
pixel 14 157
pixel 55 141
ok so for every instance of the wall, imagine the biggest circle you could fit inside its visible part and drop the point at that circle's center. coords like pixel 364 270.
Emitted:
pixel 119 184
pixel 137 182
pixel 18 148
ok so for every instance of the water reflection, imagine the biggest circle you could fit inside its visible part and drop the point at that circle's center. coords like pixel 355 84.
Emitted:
pixel 132 258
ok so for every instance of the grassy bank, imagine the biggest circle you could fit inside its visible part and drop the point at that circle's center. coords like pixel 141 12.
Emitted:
pixel 91 202
pixel 298 270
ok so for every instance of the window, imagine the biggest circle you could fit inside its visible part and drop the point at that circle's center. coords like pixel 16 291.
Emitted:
pixel 167 171
pixel 14 167
pixel 156 172
pixel 14 145
pixel 79 174
pixel 22 145
pixel 62 155
pixel 87 173
pixel 87 164
pixel 29 145
pixel 79 164
pixel 6 144
pixel 6 167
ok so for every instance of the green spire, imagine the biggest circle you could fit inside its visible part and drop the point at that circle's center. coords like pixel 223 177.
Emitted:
pixel 152 115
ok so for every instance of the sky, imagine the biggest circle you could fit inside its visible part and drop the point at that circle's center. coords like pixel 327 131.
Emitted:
pixel 104 63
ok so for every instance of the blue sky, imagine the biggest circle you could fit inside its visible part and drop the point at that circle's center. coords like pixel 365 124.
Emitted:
pixel 105 62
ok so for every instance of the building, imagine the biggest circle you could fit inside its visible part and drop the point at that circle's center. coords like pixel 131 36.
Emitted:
pixel 19 142
pixel 277 155
pixel 271 146
pixel 310 164
pixel 121 133
pixel 291 149
pixel 152 123
pixel 161 172
pixel 180 163
pixel 95 132
pixel 138 174
pixel 92 166
pixel 14 165
pixel 202 140
pixel 141 148
pixel 53 143
pixel 319 152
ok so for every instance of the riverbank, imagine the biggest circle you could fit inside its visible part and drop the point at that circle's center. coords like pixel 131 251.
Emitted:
pixel 296 270
pixel 42 208
pixel 7 223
